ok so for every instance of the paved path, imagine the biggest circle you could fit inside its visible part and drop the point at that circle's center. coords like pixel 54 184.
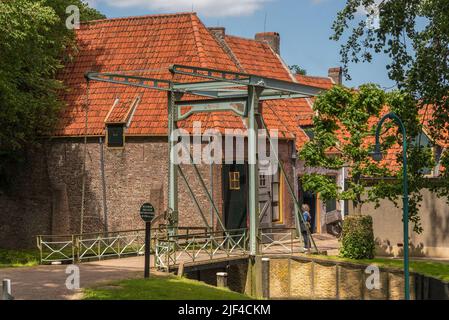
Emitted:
pixel 48 282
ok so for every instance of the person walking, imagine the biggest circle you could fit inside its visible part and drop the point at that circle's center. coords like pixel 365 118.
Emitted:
pixel 305 226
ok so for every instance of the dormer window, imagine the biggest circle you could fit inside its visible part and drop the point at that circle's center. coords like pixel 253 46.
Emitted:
pixel 118 119
pixel 115 135
pixel 309 132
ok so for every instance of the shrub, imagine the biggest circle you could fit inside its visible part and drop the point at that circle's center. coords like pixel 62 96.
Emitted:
pixel 358 238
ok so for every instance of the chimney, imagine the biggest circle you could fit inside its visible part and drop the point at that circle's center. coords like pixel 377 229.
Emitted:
pixel 336 74
pixel 273 39
pixel 219 32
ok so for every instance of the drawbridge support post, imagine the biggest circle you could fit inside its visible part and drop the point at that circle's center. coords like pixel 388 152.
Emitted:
pixel 172 168
pixel 254 266
pixel 253 105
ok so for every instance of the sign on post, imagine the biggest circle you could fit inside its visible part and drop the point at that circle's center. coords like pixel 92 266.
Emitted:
pixel 147 214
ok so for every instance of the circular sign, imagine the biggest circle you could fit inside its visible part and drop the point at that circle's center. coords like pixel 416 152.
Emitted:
pixel 147 212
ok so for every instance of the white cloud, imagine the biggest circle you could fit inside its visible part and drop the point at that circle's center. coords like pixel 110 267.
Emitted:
pixel 208 8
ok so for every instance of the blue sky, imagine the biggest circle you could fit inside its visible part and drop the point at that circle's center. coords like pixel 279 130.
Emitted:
pixel 304 25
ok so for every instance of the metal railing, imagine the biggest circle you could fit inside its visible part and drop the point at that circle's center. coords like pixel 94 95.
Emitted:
pixel 115 244
pixel 56 248
pixel 278 241
pixel 101 245
pixel 190 244
pixel 88 246
pixel 200 247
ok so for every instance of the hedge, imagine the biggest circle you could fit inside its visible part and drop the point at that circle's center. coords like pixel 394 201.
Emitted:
pixel 358 238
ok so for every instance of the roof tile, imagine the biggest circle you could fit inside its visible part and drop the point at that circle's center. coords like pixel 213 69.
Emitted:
pixel 147 46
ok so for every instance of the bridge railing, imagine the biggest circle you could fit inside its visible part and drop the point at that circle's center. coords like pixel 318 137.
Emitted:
pixel 56 248
pixel 200 247
pixel 191 244
pixel 278 240
pixel 100 245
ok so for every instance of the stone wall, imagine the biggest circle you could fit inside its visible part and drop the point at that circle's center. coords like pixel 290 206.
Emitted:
pixel 303 278
pixel 387 219
pixel 309 278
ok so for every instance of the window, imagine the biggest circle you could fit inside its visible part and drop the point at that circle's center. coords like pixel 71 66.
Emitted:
pixel 115 135
pixel 309 132
pixel 423 141
pixel 234 180
pixel 262 180
pixel 331 204
pixel 277 189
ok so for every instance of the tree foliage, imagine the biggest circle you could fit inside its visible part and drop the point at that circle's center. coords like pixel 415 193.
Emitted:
pixel 298 70
pixel 344 128
pixel 33 45
pixel 414 34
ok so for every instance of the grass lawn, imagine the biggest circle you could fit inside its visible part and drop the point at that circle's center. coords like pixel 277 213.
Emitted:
pixel 18 258
pixel 160 288
pixel 439 270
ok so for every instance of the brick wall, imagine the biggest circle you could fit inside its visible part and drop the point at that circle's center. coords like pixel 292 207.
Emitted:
pixel 25 206
pixel 46 194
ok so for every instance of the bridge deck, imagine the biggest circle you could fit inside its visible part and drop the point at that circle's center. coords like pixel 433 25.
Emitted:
pixel 202 260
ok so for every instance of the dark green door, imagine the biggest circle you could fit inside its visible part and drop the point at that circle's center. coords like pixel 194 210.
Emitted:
pixel 235 195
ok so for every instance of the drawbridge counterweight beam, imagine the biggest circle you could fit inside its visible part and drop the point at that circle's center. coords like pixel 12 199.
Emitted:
pixel 223 91
pixel 230 79
pixel 130 80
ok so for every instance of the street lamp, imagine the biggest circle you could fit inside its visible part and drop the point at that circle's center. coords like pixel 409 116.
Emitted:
pixel 377 156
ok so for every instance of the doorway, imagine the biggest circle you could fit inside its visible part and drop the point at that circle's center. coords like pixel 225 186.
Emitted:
pixel 235 196
pixel 311 199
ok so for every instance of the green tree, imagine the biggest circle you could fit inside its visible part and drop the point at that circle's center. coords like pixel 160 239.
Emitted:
pixel 33 45
pixel 344 128
pixel 414 34
pixel 298 70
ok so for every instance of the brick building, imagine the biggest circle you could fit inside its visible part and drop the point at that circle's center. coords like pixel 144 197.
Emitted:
pixel 125 132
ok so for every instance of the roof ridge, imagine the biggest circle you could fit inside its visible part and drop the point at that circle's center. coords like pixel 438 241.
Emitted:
pixel 243 38
pixel 228 50
pixel 309 76
pixel 284 65
pixel 162 15
pixel 198 40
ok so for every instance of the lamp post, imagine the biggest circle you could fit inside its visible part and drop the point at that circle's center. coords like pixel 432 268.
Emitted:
pixel 377 156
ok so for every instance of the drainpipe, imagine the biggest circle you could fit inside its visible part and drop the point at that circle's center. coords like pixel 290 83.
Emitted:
pixel 103 183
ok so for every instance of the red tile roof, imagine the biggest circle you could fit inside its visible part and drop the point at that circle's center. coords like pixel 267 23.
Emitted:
pixel 291 114
pixel 147 46
pixel 318 82
pixel 426 115
pixel 258 58
pixel 390 156
pixel 121 111
pixel 150 43
pixel 285 115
